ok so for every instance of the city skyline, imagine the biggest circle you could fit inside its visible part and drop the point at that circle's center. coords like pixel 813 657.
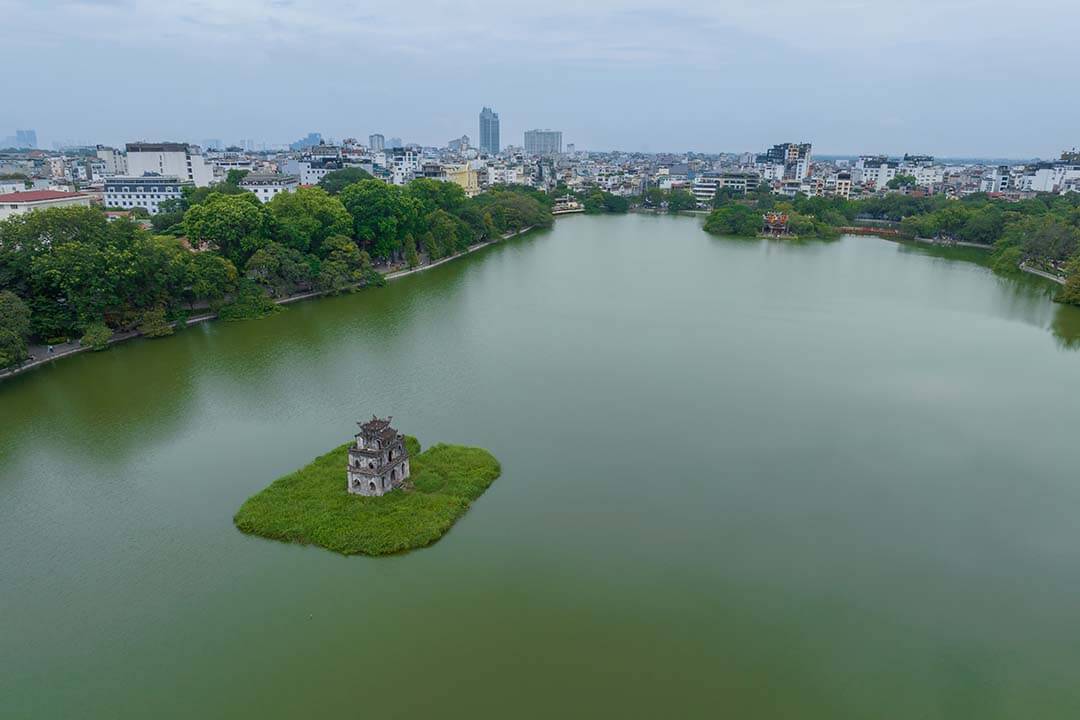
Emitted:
pixel 857 77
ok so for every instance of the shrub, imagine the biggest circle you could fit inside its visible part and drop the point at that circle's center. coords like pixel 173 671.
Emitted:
pixel 152 323
pixel 96 336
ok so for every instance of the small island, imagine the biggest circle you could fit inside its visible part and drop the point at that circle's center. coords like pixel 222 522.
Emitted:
pixel 376 495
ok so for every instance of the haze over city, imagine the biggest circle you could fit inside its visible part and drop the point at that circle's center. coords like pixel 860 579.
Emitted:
pixel 957 78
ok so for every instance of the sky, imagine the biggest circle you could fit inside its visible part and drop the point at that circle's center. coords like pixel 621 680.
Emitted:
pixel 959 78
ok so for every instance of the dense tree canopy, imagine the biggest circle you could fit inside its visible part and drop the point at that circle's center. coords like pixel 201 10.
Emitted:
pixel 234 225
pixel 307 217
pixel 337 180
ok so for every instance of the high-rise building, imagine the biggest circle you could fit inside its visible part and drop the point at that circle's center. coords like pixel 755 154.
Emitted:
pixel 543 142
pixel 489 131
pixel 312 139
pixel 26 138
pixel 376 142
pixel 794 157
pixel 395 142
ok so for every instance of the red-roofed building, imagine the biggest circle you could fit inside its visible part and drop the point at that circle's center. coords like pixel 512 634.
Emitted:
pixel 17 203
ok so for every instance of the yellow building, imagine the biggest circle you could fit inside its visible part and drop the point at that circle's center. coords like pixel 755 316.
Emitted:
pixel 464 176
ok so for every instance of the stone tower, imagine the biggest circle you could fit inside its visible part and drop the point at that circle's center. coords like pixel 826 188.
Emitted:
pixel 378 460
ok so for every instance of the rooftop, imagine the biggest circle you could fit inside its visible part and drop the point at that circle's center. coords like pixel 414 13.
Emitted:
pixel 38 196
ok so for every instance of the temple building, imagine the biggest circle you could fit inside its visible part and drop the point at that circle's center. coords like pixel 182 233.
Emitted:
pixel 378 460
pixel 775 224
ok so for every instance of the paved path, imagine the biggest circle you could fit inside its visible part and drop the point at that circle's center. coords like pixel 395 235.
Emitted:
pixel 1042 273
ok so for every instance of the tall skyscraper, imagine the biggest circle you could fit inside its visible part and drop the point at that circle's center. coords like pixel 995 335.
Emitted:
pixel 489 131
pixel 26 138
pixel 376 142
pixel 543 142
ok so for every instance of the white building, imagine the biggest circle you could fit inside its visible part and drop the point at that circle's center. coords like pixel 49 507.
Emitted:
pixel 18 203
pixel 148 191
pixel 874 172
pixel 115 161
pixel 180 160
pixel 267 185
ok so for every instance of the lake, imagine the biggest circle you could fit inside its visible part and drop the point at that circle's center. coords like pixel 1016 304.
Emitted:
pixel 741 478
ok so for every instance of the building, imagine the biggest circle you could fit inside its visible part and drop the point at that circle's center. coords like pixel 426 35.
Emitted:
pixel 842 186
pixel 147 192
pixel 181 160
pixel 267 185
pixel 794 158
pixel 543 142
pixel 26 139
pixel 775 224
pixel 17 203
pixel 312 139
pixel 378 460
pixel 464 176
pixel 376 142
pixel 489 131
pixel 875 171
pixel 115 161
pixel 458 145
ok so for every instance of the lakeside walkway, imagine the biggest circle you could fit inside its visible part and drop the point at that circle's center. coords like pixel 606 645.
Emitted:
pixel 41 355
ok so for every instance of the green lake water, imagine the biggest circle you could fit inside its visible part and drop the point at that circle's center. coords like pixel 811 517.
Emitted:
pixel 741 479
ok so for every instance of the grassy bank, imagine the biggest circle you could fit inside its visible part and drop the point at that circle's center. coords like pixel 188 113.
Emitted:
pixel 311 506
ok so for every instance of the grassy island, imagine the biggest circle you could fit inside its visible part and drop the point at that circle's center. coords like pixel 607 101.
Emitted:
pixel 311 505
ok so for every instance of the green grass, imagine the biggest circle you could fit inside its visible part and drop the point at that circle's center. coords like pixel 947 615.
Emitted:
pixel 311 506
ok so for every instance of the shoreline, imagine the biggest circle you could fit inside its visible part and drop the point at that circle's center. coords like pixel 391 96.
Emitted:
pixel 311 295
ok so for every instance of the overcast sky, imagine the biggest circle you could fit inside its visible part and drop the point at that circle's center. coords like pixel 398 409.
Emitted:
pixel 948 77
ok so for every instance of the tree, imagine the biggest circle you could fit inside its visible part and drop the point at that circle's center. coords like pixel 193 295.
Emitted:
pixel 233 177
pixel 680 200
pixel 382 215
pixel 345 266
pixel 734 220
pixel 212 278
pixel 96 336
pixel 306 217
pixel 899 181
pixel 412 258
pixel 279 269
pixel 1070 292
pixel 236 225
pixel 437 195
pixel 336 181
pixel 152 323
pixel 14 328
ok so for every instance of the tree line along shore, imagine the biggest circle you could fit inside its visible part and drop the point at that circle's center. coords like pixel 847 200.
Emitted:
pixel 1042 233
pixel 69 274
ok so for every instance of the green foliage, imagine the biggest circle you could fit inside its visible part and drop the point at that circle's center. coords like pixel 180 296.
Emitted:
pixel 212 277
pixel 306 217
pixel 680 200
pixel 412 258
pixel 250 303
pixel 14 329
pixel 1070 292
pixel 153 324
pixel 1006 259
pixel 601 201
pixel 336 181
pixel 899 181
pixel 738 220
pixel 312 506
pixel 280 270
pixel 233 177
pixel 235 225
pixel 382 215
pixel 346 266
pixel 96 336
